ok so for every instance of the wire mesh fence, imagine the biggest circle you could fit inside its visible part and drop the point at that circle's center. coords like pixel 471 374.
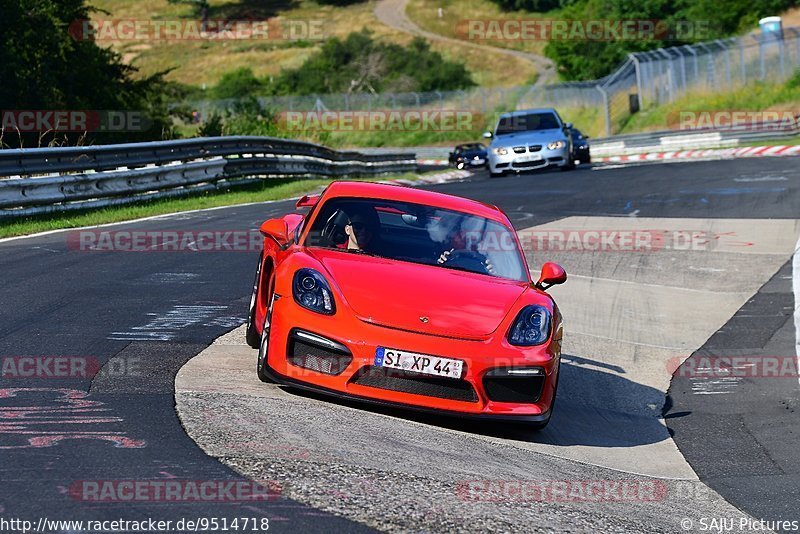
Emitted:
pixel 644 79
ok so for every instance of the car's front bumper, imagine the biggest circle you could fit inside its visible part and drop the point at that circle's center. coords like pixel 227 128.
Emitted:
pixel 480 358
pixel 516 162
pixel 470 162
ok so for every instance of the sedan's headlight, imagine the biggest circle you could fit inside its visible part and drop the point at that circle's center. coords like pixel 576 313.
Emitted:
pixel 500 151
pixel 556 145
pixel 531 327
pixel 311 291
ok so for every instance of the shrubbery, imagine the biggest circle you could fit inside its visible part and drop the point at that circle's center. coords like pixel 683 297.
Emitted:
pixel 42 67
pixel 584 60
pixel 355 64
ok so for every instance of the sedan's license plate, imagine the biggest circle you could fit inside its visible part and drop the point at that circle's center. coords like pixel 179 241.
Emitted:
pixel 418 363
pixel 529 157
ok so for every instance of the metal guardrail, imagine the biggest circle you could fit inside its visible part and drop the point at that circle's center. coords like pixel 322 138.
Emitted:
pixel 45 180
pixel 640 143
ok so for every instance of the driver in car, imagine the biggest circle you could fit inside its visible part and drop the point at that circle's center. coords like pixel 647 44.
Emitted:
pixel 460 246
pixel 362 229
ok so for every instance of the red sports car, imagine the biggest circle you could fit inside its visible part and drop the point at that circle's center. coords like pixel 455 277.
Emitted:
pixel 400 296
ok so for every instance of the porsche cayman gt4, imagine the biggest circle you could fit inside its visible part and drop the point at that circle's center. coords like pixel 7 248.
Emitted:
pixel 405 297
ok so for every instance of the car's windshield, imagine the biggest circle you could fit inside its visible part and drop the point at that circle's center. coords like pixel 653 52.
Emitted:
pixel 475 146
pixel 510 124
pixel 419 234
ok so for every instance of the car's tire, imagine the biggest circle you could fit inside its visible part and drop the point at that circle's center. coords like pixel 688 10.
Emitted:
pixel 263 349
pixel 251 334
pixel 495 174
pixel 569 166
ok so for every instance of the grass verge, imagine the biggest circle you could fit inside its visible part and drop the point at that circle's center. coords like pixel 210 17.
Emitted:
pixel 203 62
pixel 456 14
pixel 273 189
pixel 758 96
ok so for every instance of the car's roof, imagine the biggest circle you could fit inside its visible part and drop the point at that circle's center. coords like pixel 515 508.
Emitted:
pixel 471 145
pixel 519 112
pixel 413 195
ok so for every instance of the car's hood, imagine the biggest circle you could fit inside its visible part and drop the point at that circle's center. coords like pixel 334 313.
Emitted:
pixel 399 294
pixel 536 136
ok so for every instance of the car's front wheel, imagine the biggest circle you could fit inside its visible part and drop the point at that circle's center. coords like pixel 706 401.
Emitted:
pixel 263 349
pixel 251 334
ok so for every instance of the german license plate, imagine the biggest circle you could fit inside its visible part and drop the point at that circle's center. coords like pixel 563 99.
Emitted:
pixel 418 363
pixel 529 157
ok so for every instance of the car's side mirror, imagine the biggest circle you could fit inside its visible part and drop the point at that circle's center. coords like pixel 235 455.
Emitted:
pixel 277 229
pixel 586 137
pixel 488 135
pixel 552 274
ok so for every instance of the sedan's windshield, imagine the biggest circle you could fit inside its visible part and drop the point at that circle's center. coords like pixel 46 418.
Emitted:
pixel 419 234
pixel 525 123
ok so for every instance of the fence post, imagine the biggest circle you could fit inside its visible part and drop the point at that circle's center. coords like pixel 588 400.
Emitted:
pixel 683 70
pixel 639 87
pixel 670 77
pixel 607 107
pixel 711 75
pixel 722 45
pixel 742 67
pixel 695 61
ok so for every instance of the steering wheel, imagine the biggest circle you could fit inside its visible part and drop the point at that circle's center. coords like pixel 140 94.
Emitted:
pixel 468 260
pixel 333 230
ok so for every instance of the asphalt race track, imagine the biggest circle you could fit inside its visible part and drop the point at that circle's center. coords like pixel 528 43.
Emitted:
pixel 710 445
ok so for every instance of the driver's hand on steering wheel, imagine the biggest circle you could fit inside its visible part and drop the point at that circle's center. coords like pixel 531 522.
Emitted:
pixel 445 256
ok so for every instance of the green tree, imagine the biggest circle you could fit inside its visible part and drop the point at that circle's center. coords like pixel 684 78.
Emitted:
pixel 44 67
pixel 238 83
pixel 359 63
pixel 581 59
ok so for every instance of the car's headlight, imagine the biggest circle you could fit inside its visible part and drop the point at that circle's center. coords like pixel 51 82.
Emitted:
pixel 500 151
pixel 531 327
pixel 556 145
pixel 311 291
